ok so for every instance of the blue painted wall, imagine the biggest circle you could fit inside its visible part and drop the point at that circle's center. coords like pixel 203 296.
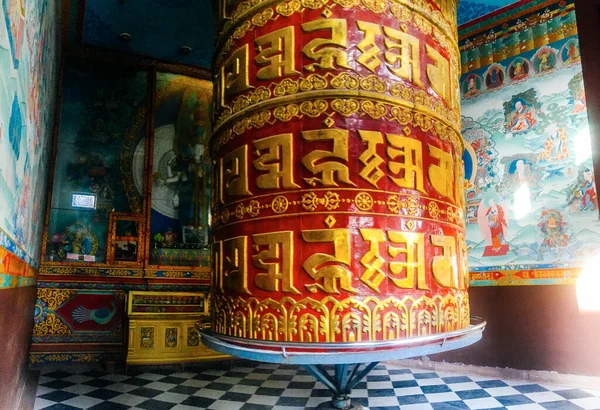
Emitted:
pixel 28 77
pixel 469 10
pixel 29 52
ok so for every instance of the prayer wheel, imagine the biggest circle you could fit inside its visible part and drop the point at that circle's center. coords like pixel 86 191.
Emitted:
pixel 337 203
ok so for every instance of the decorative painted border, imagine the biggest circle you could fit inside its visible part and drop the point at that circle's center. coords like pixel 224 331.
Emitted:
pixel 11 264
pixel 172 272
pixel 350 84
pixel 353 319
pixel 93 338
pixel 314 105
pixel 509 25
pixel 65 270
pixel 203 274
pixel 123 286
pixel 505 64
pixel 523 267
pixel 10 245
pixel 502 15
pixel 336 201
pixel 14 271
pixel 8 282
pixel 524 277
pixel 40 358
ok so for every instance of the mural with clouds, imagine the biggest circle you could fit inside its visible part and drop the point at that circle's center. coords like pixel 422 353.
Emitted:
pixel 28 74
pixel 531 196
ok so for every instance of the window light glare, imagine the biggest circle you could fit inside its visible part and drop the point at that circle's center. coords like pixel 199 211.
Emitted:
pixel 583 146
pixel 522 202
pixel 588 286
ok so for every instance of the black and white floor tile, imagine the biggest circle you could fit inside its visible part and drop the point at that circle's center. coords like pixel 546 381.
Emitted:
pixel 253 386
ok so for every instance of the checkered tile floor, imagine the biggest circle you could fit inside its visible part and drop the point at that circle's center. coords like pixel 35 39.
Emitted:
pixel 253 386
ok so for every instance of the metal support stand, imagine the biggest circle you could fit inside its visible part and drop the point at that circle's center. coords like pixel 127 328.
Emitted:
pixel 347 358
pixel 341 384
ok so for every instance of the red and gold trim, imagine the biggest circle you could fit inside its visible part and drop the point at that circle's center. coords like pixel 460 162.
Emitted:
pixel 337 186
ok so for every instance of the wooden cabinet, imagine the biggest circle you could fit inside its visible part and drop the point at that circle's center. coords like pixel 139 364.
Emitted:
pixel 162 328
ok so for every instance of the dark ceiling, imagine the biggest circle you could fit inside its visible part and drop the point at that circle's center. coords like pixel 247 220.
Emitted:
pixel 181 31
pixel 156 28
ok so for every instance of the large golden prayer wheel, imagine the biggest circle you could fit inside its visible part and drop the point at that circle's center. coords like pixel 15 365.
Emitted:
pixel 337 188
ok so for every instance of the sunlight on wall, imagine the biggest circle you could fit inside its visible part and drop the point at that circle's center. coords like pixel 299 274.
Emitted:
pixel 522 202
pixel 583 146
pixel 588 286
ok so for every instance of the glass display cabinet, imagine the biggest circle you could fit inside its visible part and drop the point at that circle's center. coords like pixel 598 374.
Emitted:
pixel 102 133
pixel 127 213
pixel 179 189
pixel 105 211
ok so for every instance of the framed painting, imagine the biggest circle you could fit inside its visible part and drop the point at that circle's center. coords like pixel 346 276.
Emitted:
pixel 125 239
pixel 180 186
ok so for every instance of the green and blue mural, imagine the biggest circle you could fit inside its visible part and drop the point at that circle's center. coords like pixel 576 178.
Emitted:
pixel 28 77
pixel 532 209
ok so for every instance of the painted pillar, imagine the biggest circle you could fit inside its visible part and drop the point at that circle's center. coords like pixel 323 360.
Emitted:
pixel 338 180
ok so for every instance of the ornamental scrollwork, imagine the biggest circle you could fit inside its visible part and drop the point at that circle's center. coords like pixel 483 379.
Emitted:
pixel 315 108
pixel 52 325
pixel 54 297
pixel 364 201
pixel 289 8
pixel 435 22
pixel 286 87
pixel 345 107
pixel 434 209
pixel 329 201
pixel 395 204
pixel 342 81
pixel 347 320
pixel 279 204
pixel 252 209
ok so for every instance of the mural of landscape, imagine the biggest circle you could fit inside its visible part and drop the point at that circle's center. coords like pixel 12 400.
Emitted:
pixel 28 74
pixel 531 194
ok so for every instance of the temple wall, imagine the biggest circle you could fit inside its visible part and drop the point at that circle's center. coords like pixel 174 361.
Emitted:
pixel 532 212
pixel 29 53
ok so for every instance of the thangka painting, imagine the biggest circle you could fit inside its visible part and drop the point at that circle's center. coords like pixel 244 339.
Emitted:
pixel 101 144
pixel 530 188
pixel 180 189
pixel 28 75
